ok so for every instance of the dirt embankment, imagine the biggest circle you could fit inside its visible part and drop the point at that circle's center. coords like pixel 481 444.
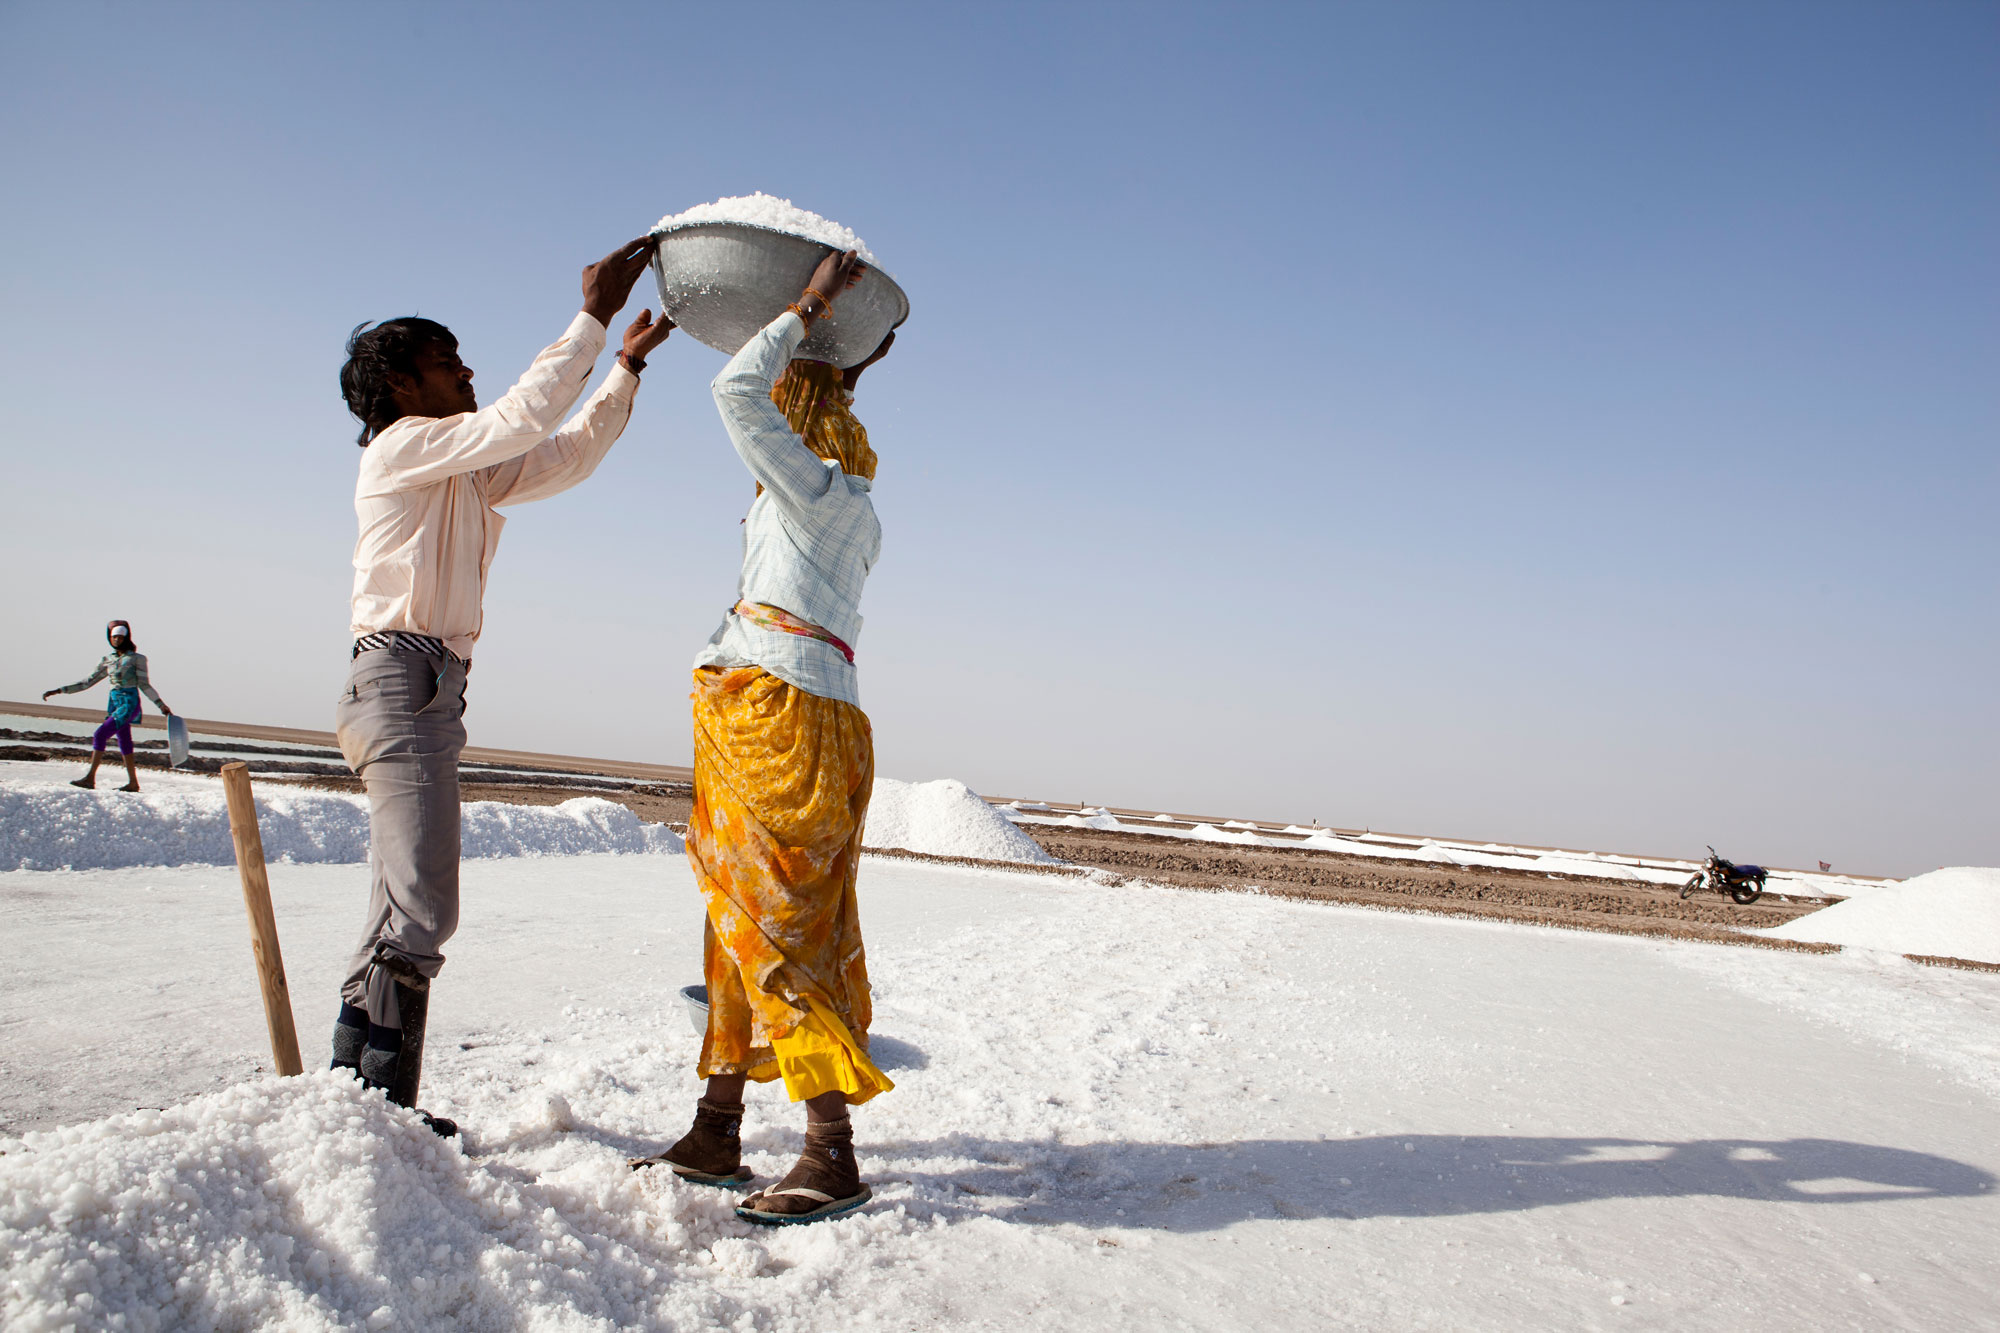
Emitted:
pixel 1621 906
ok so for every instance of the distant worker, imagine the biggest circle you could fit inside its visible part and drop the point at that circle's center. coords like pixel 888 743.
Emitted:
pixel 784 763
pixel 434 466
pixel 125 668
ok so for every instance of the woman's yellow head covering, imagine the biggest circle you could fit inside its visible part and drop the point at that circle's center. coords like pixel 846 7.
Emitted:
pixel 814 399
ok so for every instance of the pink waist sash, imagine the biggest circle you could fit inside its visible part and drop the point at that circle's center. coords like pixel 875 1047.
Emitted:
pixel 784 622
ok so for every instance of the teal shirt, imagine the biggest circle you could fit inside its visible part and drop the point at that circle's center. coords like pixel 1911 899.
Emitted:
pixel 127 674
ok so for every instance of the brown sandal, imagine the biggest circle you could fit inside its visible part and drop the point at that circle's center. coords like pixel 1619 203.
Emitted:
pixel 711 1153
pixel 825 1182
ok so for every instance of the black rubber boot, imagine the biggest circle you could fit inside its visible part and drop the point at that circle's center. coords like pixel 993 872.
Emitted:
pixel 414 1005
pixel 408 1071
pixel 391 1059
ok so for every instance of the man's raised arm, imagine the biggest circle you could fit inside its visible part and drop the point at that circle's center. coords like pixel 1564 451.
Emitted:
pixel 573 453
pixel 425 450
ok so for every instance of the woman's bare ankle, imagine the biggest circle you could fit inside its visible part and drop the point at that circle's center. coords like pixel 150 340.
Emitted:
pixel 725 1089
pixel 826 1108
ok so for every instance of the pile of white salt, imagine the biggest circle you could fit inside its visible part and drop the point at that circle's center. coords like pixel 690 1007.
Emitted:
pixel 763 210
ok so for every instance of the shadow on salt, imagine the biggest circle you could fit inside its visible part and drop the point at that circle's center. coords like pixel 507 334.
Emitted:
pixel 1206 1186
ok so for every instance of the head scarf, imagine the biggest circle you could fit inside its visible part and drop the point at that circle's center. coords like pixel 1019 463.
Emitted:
pixel 112 628
pixel 814 399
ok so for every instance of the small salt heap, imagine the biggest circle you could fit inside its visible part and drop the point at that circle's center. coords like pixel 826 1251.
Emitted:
pixel 944 818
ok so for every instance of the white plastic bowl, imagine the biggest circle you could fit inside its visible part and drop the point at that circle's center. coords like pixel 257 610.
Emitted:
pixel 696 999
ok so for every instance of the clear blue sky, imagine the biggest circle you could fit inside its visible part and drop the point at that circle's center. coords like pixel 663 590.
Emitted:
pixel 1537 422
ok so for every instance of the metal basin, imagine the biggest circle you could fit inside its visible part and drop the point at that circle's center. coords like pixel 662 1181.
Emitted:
pixel 723 281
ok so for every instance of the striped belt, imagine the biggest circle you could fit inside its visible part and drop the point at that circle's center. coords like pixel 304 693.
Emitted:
pixel 784 622
pixel 411 643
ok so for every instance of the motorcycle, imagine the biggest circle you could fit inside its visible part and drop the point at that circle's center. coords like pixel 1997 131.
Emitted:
pixel 1743 883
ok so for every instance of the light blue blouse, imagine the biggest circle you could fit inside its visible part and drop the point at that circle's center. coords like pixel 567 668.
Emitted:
pixel 810 539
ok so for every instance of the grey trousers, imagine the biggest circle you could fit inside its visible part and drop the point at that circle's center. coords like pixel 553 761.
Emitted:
pixel 400 723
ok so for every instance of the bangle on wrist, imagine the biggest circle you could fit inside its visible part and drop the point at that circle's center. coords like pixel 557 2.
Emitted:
pixel 825 301
pixel 635 364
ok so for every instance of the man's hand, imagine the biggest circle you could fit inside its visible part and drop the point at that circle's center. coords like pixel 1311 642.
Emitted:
pixel 608 282
pixel 642 335
pixel 835 274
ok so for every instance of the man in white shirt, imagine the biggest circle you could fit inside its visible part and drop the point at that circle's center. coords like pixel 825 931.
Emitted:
pixel 435 465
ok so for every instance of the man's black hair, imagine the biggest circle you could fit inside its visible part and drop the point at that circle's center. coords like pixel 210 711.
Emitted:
pixel 372 354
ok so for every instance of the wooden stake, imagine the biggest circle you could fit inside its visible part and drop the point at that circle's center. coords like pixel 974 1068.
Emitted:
pixel 263 921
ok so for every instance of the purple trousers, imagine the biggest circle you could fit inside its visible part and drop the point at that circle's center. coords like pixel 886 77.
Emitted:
pixel 110 727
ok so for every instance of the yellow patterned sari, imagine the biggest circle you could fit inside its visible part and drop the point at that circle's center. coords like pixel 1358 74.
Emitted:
pixel 781 786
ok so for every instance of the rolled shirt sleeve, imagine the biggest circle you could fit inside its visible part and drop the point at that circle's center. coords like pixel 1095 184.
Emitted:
pixel 572 453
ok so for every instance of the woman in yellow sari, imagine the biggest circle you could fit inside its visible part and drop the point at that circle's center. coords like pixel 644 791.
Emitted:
pixel 784 763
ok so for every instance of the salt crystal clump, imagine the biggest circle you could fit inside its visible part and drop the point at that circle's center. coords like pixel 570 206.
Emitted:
pixel 738 1257
pixel 763 210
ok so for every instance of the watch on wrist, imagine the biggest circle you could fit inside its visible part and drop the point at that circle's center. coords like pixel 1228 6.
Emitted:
pixel 635 364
